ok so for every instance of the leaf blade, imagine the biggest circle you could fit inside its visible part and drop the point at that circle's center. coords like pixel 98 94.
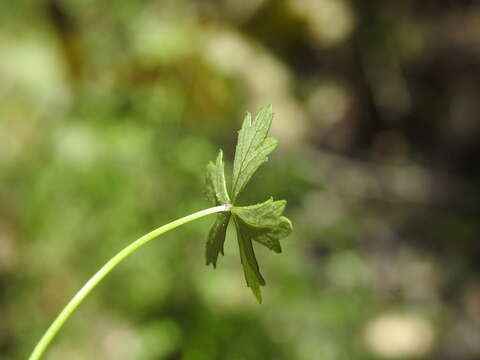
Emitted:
pixel 216 189
pixel 249 262
pixel 271 237
pixel 216 185
pixel 253 147
pixel 265 214
pixel 264 222
pixel 216 238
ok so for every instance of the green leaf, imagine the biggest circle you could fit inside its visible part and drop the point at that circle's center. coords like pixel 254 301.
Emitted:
pixel 216 186
pixel 264 222
pixel 251 269
pixel 216 238
pixel 252 149
pixel 270 237
pixel 261 222
pixel 216 189
pixel 261 215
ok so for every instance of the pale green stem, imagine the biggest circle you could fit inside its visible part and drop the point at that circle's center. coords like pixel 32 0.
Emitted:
pixel 95 279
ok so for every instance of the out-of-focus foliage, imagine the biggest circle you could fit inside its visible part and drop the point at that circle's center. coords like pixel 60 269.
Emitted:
pixel 109 112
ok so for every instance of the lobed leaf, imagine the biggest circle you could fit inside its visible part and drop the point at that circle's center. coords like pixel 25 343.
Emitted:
pixel 270 237
pixel 216 186
pixel 216 189
pixel 261 222
pixel 251 269
pixel 216 238
pixel 264 214
pixel 253 147
pixel 264 223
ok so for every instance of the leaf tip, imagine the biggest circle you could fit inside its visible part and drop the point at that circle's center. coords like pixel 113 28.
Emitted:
pixel 257 291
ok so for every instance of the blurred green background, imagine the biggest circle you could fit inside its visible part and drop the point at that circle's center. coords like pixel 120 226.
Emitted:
pixel 109 112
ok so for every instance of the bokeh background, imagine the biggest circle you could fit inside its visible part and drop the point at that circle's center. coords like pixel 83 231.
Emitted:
pixel 109 112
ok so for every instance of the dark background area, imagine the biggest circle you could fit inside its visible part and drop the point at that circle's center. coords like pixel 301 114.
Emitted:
pixel 109 113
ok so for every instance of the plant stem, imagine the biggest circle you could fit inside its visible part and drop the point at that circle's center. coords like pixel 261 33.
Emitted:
pixel 109 266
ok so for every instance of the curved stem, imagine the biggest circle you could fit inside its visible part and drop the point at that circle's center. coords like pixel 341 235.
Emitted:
pixel 95 279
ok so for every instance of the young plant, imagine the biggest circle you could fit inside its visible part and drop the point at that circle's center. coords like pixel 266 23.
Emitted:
pixel 262 222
